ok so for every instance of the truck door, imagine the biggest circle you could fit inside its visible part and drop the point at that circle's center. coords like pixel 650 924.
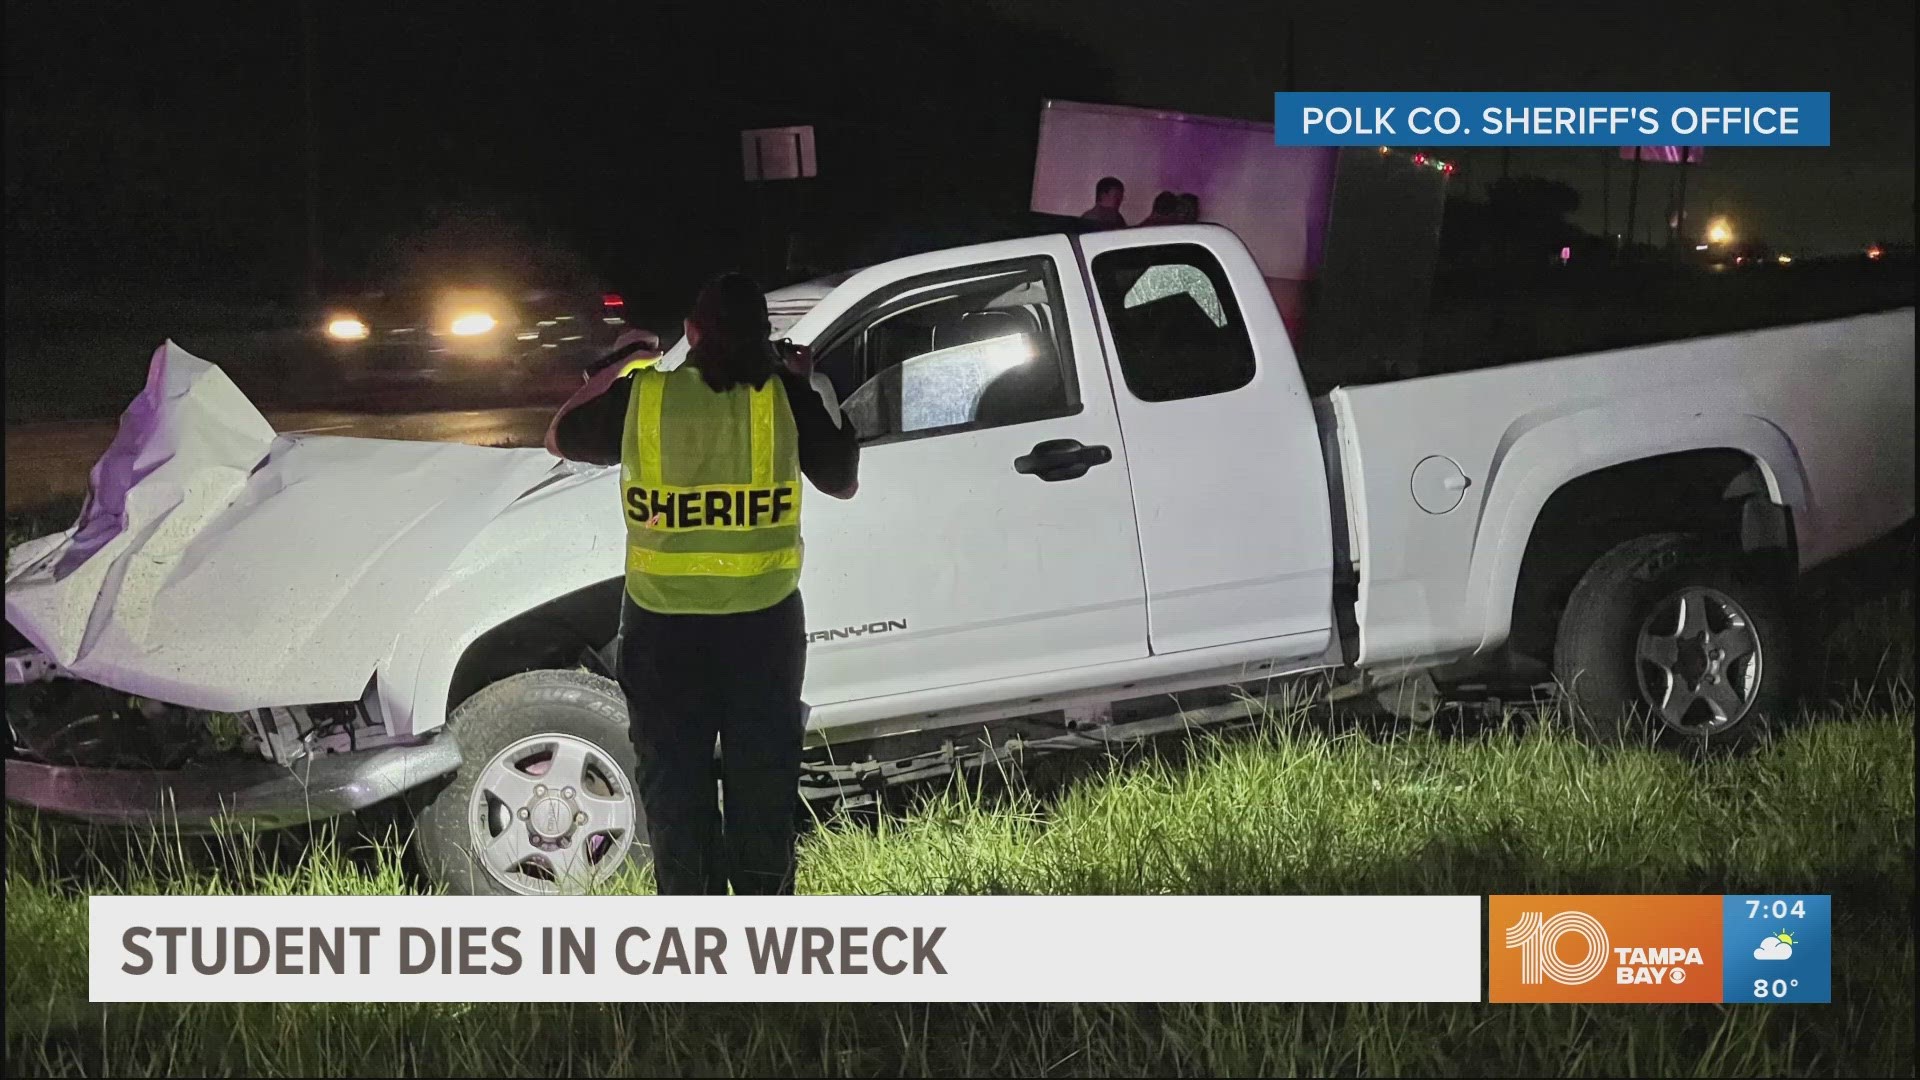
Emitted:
pixel 1229 487
pixel 993 534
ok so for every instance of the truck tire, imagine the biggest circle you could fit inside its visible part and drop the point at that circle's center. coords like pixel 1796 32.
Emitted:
pixel 1663 641
pixel 544 802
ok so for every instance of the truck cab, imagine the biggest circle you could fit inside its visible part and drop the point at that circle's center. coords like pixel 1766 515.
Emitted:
pixel 1127 460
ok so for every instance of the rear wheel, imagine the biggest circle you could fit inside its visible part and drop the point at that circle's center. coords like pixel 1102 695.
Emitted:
pixel 544 802
pixel 1663 639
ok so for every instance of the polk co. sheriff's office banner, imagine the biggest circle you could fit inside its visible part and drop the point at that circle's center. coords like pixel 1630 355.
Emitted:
pixel 1579 118
pixel 809 948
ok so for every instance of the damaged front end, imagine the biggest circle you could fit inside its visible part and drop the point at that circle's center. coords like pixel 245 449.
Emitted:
pixel 217 576
pixel 85 751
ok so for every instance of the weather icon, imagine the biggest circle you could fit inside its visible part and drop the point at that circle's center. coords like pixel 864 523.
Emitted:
pixel 1776 947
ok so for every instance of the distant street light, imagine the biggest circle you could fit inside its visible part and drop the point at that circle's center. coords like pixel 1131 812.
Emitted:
pixel 1719 232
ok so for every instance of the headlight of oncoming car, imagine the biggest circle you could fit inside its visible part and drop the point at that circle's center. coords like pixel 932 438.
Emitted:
pixel 346 328
pixel 472 323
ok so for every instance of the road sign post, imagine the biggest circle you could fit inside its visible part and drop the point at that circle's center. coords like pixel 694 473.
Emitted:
pixel 769 154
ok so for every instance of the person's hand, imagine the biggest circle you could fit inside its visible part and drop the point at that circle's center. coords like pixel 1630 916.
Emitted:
pixel 797 358
pixel 635 336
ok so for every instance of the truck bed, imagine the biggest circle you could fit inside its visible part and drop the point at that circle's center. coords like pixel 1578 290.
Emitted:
pixel 1809 401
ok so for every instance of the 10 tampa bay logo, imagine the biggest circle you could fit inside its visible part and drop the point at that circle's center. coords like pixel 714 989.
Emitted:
pixel 1605 948
pixel 1538 939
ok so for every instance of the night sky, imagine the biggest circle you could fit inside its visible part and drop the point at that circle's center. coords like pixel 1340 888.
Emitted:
pixel 161 146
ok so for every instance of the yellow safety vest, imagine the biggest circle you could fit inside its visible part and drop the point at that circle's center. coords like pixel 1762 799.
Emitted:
pixel 710 485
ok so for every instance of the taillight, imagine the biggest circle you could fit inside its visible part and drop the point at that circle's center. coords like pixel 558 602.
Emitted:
pixel 612 300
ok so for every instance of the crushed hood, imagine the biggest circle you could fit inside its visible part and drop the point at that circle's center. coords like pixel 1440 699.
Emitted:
pixel 219 566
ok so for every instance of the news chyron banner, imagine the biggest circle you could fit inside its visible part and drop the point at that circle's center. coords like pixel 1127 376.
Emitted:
pixel 1644 949
pixel 1726 949
pixel 789 949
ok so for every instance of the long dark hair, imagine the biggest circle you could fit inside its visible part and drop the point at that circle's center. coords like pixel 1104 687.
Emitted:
pixel 731 314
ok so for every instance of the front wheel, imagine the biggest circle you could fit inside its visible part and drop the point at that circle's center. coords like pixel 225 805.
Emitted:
pixel 544 802
pixel 1662 639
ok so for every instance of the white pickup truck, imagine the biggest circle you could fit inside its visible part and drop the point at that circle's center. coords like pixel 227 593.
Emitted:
pixel 1091 477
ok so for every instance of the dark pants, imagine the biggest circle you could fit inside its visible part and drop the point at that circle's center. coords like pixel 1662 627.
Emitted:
pixel 690 679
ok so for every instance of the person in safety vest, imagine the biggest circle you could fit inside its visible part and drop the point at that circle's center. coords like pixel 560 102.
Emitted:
pixel 713 639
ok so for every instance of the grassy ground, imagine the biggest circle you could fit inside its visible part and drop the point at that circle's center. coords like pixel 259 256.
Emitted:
pixel 1301 804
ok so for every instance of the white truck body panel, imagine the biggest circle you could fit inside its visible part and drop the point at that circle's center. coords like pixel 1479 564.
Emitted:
pixel 1826 409
pixel 1230 489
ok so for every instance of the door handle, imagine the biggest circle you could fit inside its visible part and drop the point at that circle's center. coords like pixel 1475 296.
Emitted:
pixel 1061 459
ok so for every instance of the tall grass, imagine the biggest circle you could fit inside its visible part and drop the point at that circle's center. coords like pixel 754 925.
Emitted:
pixel 1290 808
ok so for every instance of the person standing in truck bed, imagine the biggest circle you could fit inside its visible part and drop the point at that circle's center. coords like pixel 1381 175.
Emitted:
pixel 713 635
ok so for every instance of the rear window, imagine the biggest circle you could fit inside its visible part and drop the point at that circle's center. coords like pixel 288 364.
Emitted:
pixel 1177 332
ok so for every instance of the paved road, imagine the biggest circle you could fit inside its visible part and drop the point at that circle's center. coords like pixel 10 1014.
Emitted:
pixel 50 459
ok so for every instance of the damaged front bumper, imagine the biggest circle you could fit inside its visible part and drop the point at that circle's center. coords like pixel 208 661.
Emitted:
pixel 246 791
pixel 73 752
